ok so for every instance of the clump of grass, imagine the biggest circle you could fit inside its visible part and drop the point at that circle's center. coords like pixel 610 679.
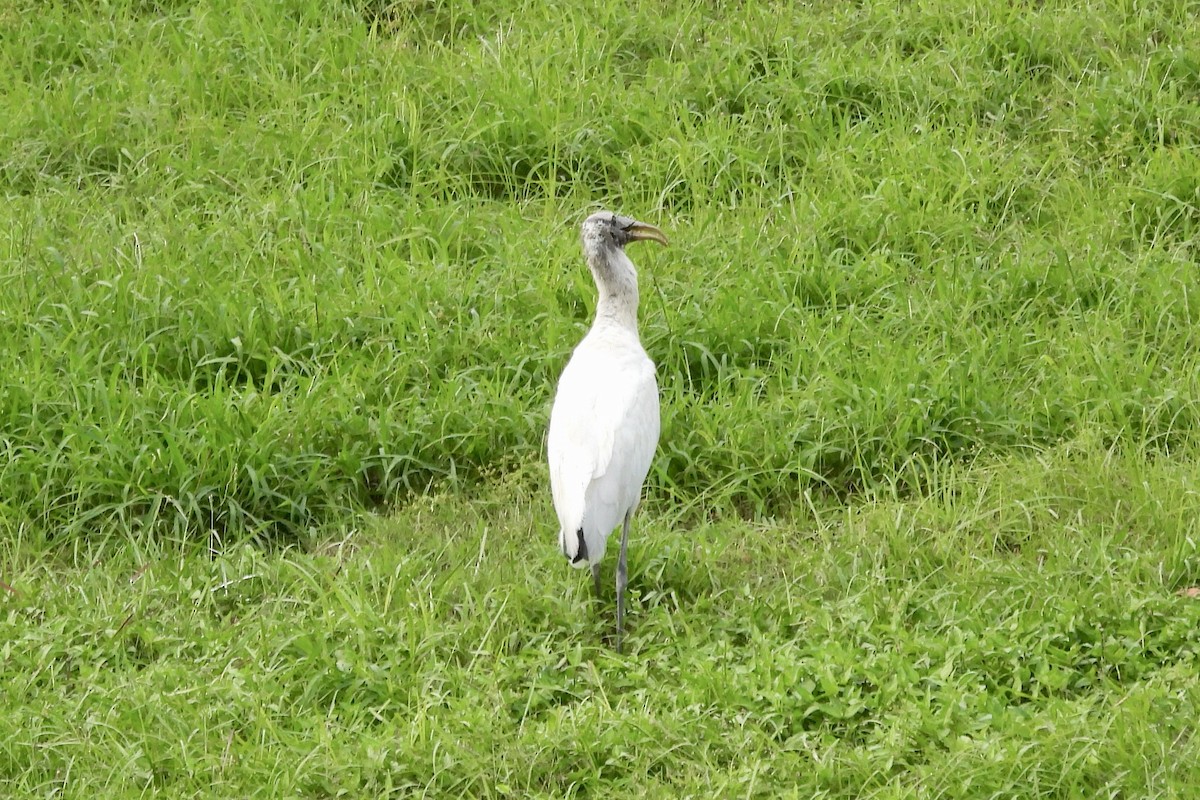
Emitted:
pixel 267 266
pixel 925 495
pixel 1015 630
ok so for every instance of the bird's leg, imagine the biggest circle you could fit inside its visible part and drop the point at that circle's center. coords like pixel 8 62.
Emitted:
pixel 622 580
pixel 596 577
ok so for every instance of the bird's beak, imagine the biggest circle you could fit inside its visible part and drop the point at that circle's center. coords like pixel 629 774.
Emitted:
pixel 641 231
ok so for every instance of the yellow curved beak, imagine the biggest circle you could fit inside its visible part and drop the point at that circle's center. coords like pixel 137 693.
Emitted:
pixel 643 231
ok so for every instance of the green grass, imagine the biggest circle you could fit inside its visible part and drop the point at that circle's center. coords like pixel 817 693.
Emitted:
pixel 284 291
pixel 1012 634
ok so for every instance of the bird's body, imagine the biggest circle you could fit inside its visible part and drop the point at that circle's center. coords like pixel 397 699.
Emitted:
pixel 603 431
pixel 604 425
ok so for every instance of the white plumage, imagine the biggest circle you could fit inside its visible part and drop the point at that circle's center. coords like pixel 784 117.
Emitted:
pixel 604 425
pixel 603 432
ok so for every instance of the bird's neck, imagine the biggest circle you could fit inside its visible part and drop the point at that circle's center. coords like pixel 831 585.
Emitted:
pixel 616 281
pixel 618 308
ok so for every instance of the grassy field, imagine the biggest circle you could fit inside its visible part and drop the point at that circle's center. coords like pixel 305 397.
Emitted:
pixel 284 291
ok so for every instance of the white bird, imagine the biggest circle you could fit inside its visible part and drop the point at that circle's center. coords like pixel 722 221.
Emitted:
pixel 604 425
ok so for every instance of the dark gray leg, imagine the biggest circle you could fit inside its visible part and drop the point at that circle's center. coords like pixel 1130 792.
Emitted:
pixel 622 580
pixel 596 577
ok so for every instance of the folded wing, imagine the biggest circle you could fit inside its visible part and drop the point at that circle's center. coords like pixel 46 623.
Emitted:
pixel 603 431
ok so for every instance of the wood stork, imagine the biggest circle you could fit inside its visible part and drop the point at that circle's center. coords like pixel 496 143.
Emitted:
pixel 604 425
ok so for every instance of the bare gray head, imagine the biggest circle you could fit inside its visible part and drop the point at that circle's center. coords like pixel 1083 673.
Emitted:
pixel 604 236
pixel 605 231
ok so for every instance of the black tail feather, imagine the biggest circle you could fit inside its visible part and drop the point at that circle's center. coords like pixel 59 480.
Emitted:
pixel 582 553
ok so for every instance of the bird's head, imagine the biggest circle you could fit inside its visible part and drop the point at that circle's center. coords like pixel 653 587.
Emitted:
pixel 605 230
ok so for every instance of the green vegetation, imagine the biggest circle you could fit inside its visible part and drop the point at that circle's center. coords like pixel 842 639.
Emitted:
pixel 284 291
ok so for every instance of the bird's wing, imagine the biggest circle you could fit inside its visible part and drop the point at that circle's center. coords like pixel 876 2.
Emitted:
pixel 604 423
pixel 616 491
